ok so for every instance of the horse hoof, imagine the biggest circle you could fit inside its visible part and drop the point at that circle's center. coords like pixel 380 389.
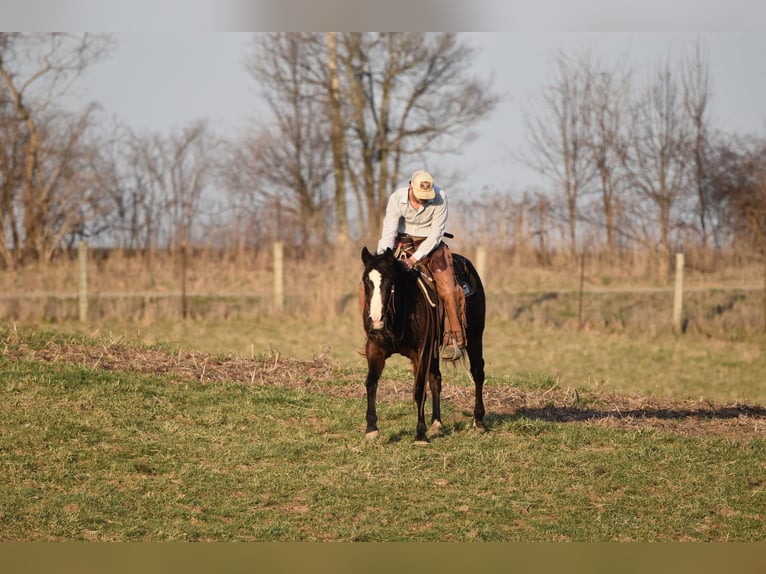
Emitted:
pixel 421 442
pixel 479 426
pixel 436 429
pixel 372 435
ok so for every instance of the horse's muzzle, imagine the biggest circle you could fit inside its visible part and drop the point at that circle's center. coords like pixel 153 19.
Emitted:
pixel 377 324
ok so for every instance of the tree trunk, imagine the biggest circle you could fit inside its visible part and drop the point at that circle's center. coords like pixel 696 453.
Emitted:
pixel 338 141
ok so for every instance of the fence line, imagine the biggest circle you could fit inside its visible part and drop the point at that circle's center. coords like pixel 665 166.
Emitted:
pixel 278 294
pixel 251 294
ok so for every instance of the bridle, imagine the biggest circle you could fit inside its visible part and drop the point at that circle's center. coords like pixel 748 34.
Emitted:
pixel 388 329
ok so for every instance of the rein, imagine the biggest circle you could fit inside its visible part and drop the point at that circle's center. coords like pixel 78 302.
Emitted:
pixel 425 289
pixel 391 306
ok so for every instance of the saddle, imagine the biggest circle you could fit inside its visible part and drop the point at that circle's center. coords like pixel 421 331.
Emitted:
pixel 406 246
pixel 463 275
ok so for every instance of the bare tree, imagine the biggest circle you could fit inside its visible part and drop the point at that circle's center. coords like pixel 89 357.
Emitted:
pixel 35 70
pixel 191 163
pixel 491 221
pixel 162 194
pixel 606 111
pixel 408 95
pixel 338 139
pixel 697 95
pixel 70 161
pixel 117 223
pixel 293 156
pixel 248 224
pixel 657 161
pixel 540 223
pixel 737 175
pixel 11 169
pixel 146 193
pixel 737 172
pixel 393 95
pixel 558 136
pixel 69 202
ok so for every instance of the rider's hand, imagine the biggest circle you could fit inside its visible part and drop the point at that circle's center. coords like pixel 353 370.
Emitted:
pixel 410 262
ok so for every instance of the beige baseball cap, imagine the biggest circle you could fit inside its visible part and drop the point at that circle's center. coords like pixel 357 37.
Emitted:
pixel 422 184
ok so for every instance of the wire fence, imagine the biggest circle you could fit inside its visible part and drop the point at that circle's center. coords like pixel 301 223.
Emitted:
pixel 719 309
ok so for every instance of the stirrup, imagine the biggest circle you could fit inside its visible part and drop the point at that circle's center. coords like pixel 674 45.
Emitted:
pixel 452 351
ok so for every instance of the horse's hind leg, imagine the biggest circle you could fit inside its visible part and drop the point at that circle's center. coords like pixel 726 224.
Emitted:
pixel 476 358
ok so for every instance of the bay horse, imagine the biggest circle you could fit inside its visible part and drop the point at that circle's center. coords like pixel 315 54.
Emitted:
pixel 401 316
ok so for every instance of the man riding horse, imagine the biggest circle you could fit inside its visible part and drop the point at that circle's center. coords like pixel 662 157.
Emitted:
pixel 414 226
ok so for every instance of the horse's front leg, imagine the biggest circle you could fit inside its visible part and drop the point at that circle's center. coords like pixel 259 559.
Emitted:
pixel 419 395
pixel 376 360
pixel 435 385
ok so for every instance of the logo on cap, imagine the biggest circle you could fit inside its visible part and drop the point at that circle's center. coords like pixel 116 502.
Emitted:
pixel 423 185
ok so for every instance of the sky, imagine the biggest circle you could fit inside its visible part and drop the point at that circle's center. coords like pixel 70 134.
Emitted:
pixel 181 61
pixel 158 81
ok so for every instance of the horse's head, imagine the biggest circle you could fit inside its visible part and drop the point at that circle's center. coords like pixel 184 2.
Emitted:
pixel 379 280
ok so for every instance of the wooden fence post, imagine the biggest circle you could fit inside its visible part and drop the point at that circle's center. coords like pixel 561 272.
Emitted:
pixel 82 256
pixel 582 289
pixel 481 261
pixel 678 296
pixel 184 263
pixel 279 277
pixel 764 296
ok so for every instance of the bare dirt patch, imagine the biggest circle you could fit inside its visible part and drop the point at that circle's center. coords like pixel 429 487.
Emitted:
pixel 690 418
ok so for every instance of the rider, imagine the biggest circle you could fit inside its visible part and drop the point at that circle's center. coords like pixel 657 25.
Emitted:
pixel 417 215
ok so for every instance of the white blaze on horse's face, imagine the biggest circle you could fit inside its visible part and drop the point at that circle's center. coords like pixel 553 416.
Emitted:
pixel 376 300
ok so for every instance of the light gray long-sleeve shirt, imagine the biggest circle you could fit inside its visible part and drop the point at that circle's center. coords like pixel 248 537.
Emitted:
pixel 430 221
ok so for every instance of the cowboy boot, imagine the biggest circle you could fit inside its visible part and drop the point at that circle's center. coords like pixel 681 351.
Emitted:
pixel 445 286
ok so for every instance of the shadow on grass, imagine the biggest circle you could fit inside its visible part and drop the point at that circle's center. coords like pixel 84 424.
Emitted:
pixel 574 414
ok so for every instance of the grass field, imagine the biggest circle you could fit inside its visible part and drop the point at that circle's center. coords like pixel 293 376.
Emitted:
pixel 652 363
pixel 255 431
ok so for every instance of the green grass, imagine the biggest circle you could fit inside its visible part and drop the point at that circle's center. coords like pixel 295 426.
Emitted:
pixel 92 454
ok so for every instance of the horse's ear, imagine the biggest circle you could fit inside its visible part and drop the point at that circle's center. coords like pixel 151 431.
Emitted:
pixel 389 253
pixel 366 255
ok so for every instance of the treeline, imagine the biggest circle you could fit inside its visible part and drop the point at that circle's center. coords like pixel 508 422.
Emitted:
pixel 632 163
